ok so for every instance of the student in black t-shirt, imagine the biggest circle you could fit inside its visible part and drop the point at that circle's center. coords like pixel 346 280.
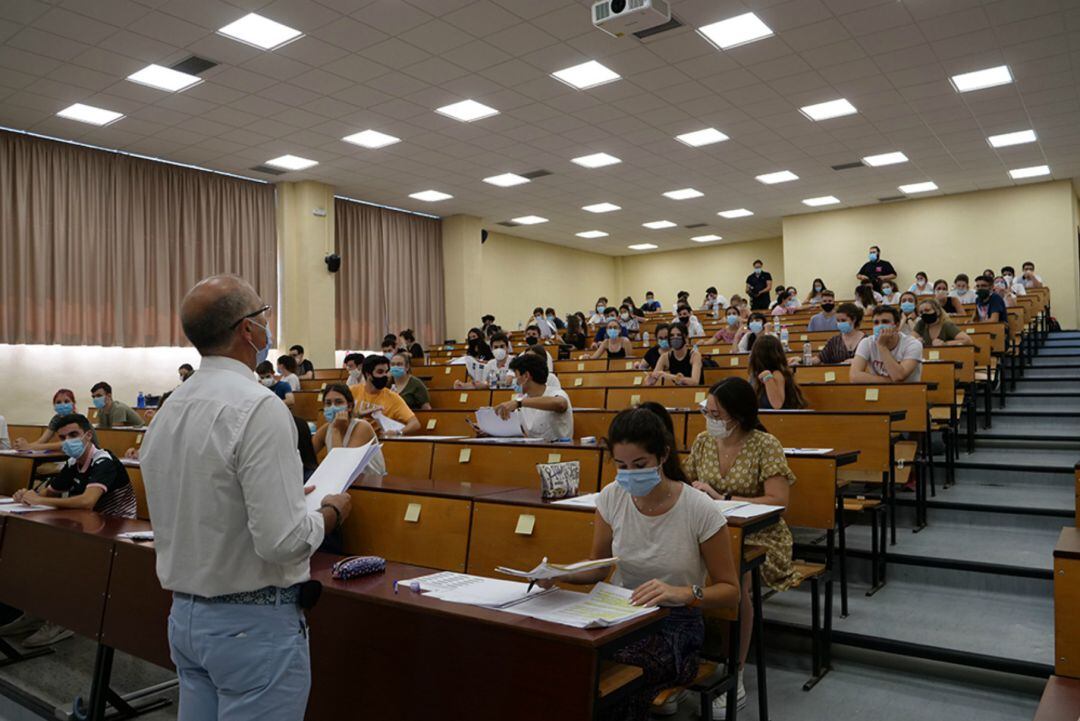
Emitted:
pixel 875 269
pixel 304 368
pixel 758 286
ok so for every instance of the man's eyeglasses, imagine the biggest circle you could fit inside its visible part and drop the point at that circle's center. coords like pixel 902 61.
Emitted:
pixel 252 314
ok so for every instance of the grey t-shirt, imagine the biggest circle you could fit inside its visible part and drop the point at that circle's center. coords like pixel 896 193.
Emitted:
pixel 907 348
pixel 665 547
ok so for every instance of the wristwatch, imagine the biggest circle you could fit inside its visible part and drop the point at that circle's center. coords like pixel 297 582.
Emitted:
pixel 699 596
pixel 519 403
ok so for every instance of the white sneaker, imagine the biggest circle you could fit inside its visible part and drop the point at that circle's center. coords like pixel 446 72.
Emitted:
pixel 671 706
pixel 719 704
pixel 47 635
pixel 22 624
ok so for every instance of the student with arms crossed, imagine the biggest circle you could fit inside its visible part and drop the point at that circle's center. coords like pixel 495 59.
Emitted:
pixel 304 367
pixel 889 356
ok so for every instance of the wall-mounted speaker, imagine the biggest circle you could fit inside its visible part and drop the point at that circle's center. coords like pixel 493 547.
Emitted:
pixel 333 262
pixel 483 236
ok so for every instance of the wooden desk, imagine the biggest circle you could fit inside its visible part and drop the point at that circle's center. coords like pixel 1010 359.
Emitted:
pixel 1066 603
pixel 511 464
pixel 17 469
pixel 1060 700
pixel 137 608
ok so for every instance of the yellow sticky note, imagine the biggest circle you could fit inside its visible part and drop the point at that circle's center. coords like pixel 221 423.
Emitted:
pixel 578 381
pixel 715 351
pixel 635 399
pixel 138 439
pixel 871 394
pixel 465 455
pixel 830 376
pixel 581 366
pixel 734 361
pixel 320 397
pixel 554 458
pixel 933 355
pixel 629 365
pixel 970 330
pixel 699 396
pixel 526 523
pixel 463 398
pixel 803 337
pixel 431 424
pixel 637 380
pixel 447 371
pixel 412 513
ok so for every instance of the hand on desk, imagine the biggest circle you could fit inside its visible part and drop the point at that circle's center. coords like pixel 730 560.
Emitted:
pixel 21 444
pixel 655 593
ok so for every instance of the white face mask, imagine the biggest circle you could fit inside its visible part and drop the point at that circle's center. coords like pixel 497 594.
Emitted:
pixel 717 428
pixel 267 381
pixel 499 353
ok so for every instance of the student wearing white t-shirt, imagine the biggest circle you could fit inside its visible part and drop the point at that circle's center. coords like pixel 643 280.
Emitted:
pixel 496 372
pixel 1028 278
pixel 286 366
pixel 888 356
pixel 545 410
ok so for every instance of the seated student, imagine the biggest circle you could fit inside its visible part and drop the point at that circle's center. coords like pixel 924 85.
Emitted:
pixel 133 451
pixel 342 429
pixel 651 304
pixel 691 323
pixel 771 377
pixel 478 348
pixel 1002 289
pixel 281 388
pixel 749 332
pixel 962 289
pixel 681 297
pixel 673 551
pixel 1028 277
pixel 714 301
pixel 1008 274
pixel 597 318
pixel 408 339
pixel 729 332
pixel 540 352
pixel 888 356
pixel 779 306
pixel 890 295
pixel 659 349
pixel 740 304
pixel 541 322
pixel 988 305
pixel 575 332
pixel 736 459
pixel 814 296
pixel 532 337
pixel 63 405
pixel 934 327
pixel 920 286
pixel 389 345
pixel 615 345
pixel 486 321
pixel 304 367
pixel 374 394
pixel 866 297
pixel 411 389
pixel 841 347
pixel 791 302
pixel 681 365
pixel 908 316
pixel 949 303
pixel 826 319
pixel 552 317
pixel 628 321
pixel 185 371
pixel 286 367
pixel 110 413
pixel 352 365
pixel 496 372
pixel 545 409
pixel 610 314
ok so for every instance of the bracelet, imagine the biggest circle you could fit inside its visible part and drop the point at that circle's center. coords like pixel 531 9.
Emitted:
pixel 337 513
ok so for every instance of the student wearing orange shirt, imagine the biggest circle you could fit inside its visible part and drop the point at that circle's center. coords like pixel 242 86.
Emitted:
pixel 375 394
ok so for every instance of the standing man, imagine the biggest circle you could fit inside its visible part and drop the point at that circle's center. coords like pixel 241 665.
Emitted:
pixel 224 484
pixel 875 269
pixel 758 286
pixel 112 413
pixel 304 367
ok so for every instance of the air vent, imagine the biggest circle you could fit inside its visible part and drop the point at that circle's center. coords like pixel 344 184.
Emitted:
pixel 891 198
pixel 849 166
pixel 696 225
pixel 194 65
pixel 649 32
pixel 536 174
pixel 269 170
pixel 508 223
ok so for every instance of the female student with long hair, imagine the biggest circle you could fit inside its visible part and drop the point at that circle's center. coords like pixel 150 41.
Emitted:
pixel 771 377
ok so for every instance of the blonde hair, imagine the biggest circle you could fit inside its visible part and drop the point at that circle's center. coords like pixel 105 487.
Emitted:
pixel 932 302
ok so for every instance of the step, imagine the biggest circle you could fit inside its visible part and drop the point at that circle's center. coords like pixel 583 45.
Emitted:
pixel 1013 493
pixel 1058 353
pixel 1056 371
pixel 1049 410
pixel 1048 360
pixel 1047 427
pixel 999 476
pixel 1040 402
pixel 998 455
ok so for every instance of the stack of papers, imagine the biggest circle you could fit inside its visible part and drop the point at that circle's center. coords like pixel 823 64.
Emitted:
pixel 586 500
pixel 473 590
pixel 558 570
pixel 605 605
pixel 808 451
pixel 337 472
pixel 744 509
pixel 137 535
pixel 389 425
pixel 494 426
pixel 10 505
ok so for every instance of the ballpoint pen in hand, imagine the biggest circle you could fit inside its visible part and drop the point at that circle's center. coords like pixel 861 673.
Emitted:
pixel 533 581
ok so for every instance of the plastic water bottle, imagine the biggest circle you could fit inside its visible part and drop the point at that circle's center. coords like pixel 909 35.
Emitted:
pixel 645 337
pixel 807 354
pixel 776 326
pixel 140 402
pixel 784 337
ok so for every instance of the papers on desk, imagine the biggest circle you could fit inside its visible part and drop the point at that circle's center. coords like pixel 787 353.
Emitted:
pixel 489 439
pixel 586 500
pixel 337 472
pixel 430 438
pixel 137 535
pixel 16 452
pixel 808 451
pixel 10 506
pixel 494 426
pixel 605 605
pixel 473 590
pixel 389 425
pixel 744 509
pixel 557 570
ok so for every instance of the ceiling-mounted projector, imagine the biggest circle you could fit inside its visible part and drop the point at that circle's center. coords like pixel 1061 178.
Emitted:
pixel 619 17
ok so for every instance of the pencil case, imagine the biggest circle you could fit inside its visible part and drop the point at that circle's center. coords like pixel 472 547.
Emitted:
pixel 356 566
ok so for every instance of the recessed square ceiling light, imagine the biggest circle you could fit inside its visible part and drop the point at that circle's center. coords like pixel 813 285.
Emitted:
pixel 1032 172
pixel 736 31
pixel 827 110
pixel 601 207
pixel 529 220
pixel 885 159
pixel 592 234
pixel 431 196
pixel 506 180
pixel 979 79
pixel 783 176
pixel 643 246
pixel 261 32
pixel 371 139
pixel 292 162
pixel 924 187
pixel 736 213
pixel 823 200
pixel 163 78
pixel 587 75
pixel 89 114
pixel 467 111
pixel 683 194
pixel 596 160
pixel 706 136
pixel 706 238
pixel 1006 139
pixel 659 224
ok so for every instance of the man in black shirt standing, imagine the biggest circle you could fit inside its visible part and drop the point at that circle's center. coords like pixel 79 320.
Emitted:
pixel 875 269
pixel 758 285
pixel 304 368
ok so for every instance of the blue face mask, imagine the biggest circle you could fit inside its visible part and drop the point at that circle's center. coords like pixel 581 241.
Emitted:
pixel 600 309
pixel 613 333
pixel 663 343
pixel 73 447
pixel 63 409
pixel 397 371
pixel 873 257
pixel 330 412
pixel 638 481
pixel 879 328
pixel 843 326
pixel 907 306
pixel 756 326
pixel 262 353
pixel 99 402
pixel 733 320
pixel 757 271
pixel 551 318
pixel 516 387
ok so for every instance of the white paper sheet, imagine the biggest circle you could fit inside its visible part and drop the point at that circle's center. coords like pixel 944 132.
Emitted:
pixel 389 425
pixel 808 451
pixel 429 438
pixel 137 535
pixel 605 605
pixel 752 510
pixel 472 590
pixel 522 439
pixel 20 508
pixel 587 500
pixel 557 570
pixel 491 424
pixel 337 472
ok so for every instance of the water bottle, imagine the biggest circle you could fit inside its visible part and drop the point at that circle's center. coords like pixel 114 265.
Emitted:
pixel 807 354
pixel 776 325
pixel 784 337
pixel 645 338
pixel 140 402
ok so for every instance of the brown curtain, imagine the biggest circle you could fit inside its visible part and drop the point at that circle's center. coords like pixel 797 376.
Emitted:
pixel 99 248
pixel 391 275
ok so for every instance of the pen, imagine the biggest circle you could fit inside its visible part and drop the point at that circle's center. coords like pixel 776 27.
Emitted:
pixel 532 582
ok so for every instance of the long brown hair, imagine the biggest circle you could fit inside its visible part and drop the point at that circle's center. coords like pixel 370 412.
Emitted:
pixel 768 355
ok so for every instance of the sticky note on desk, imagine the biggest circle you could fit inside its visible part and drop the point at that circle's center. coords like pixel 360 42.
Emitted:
pixel 578 381
pixel 412 513
pixel 734 361
pixel 554 458
pixel 715 351
pixel 432 423
pixel 319 397
pixel 637 380
pixel 635 399
pixel 581 366
pixel 629 366
pixel 871 394
pixel 526 523
pixel 463 398
pixel 970 330
pixel 699 396
pixel 138 439
pixel 464 455
pixel 933 354
pixel 803 337
pixel 830 376
pixel 447 370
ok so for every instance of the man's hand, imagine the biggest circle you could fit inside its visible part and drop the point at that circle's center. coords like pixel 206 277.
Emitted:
pixel 21 444
pixel 341 421
pixel 342 502
pixel 887 338
pixel 937 341
pixel 503 410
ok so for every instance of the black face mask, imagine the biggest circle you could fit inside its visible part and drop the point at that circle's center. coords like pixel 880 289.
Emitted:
pixel 929 318
pixel 380 382
pixel 530 340
pixel 828 307
pixel 677 342
pixel 982 293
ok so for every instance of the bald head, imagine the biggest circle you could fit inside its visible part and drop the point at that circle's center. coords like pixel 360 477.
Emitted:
pixel 210 311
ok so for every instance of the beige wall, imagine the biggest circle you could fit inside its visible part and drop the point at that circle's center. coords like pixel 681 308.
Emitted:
pixel 462 274
pixel 945 236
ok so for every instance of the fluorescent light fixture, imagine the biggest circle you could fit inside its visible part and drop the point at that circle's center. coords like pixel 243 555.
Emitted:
pixel 705 136
pixel 683 194
pixel 587 75
pixel 261 32
pixel 292 162
pixel 506 180
pixel 431 196
pixel 89 114
pixel 736 213
pixel 1032 172
pixel 706 238
pixel 371 139
pixel 659 224
pixel 875 161
pixel 163 78
pixel 643 246
pixel 596 160
pixel 924 187
pixel 979 79
pixel 782 176
pixel 831 109
pixel 601 207
pixel 529 220
pixel 592 234
pixel 823 200
pixel 467 111
pixel 1006 139
pixel 736 31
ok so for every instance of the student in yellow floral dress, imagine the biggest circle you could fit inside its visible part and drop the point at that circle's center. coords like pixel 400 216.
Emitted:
pixel 736 459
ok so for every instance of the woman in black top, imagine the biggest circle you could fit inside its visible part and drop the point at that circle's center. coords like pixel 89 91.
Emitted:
pixel 477 347
pixel 615 345
pixel 653 355
pixel 949 303
pixel 682 364
pixel 411 346
pixel 574 335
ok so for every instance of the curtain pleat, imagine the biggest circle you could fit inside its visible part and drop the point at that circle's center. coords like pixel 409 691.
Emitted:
pixel 391 275
pixel 98 248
